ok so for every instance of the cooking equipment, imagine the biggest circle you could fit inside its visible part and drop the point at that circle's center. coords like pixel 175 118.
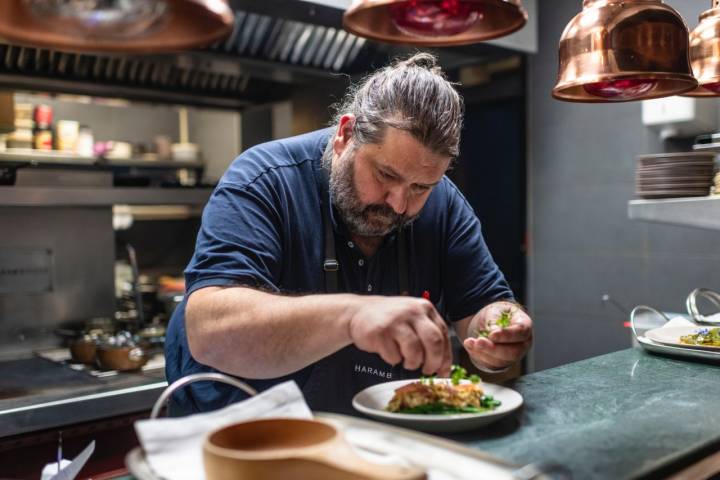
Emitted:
pixel 120 358
pixel 623 50
pixel 83 349
pixel 704 53
pixel 139 26
pixel 434 22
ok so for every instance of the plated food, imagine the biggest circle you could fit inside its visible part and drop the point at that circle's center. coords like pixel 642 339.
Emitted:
pixel 458 394
pixel 708 337
pixel 433 404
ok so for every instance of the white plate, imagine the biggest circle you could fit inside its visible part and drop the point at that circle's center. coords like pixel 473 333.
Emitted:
pixel 671 336
pixel 373 400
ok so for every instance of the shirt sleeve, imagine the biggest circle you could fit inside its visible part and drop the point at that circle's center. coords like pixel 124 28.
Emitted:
pixel 239 242
pixel 472 279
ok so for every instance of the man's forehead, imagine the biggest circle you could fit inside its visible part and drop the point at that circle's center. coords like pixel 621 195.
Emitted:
pixel 400 151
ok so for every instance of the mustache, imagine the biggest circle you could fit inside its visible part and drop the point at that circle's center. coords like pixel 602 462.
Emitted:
pixel 387 211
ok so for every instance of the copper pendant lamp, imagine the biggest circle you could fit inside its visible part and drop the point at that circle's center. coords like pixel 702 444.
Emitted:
pixel 705 53
pixel 129 26
pixel 434 23
pixel 623 50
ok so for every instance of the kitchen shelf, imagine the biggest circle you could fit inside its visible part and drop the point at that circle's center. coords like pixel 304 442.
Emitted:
pixel 36 157
pixel 699 212
pixel 14 196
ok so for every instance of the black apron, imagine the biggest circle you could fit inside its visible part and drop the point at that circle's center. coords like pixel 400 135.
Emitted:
pixel 335 379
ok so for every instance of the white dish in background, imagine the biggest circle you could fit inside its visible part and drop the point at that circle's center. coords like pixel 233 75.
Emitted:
pixel 671 336
pixel 373 400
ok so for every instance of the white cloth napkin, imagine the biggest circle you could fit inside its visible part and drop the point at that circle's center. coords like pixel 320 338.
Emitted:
pixel 679 322
pixel 173 446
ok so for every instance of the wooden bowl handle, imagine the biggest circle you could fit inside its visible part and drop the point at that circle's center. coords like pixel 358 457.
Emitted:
pixel 341 457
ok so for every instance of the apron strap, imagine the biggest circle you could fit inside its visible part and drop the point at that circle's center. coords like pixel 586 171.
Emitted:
pixel 331 266
pixel 403 267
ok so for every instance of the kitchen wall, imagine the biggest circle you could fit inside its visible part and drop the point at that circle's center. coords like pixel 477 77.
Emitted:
pixel 582 245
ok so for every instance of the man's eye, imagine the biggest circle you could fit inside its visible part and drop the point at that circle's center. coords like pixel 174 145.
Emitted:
pixel 420 188
pixel 386 175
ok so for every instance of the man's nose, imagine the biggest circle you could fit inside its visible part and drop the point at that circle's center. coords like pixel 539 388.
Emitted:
pixel 397 199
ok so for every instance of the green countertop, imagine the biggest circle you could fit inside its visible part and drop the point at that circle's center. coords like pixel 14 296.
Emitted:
pixel 627 414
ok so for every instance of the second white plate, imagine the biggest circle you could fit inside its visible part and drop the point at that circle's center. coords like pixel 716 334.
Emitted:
pixel 671 336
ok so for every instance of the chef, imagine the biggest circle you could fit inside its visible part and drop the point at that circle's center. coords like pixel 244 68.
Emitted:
pixel 340 258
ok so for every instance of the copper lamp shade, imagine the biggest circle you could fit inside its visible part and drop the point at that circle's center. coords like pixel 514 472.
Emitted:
pixel 623 50
pixel 128 26
pixel 705 53
pixel 434 23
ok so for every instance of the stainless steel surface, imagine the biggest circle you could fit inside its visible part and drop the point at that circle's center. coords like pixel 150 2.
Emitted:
pixel 373 19
pixel 26 271
pixel 80 245
pixel 40 395
pixel 643 41
pixel 198 377
pixel 699 212
pixel 89 197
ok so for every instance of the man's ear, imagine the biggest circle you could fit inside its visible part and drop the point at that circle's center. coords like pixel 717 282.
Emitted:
pixel 344 133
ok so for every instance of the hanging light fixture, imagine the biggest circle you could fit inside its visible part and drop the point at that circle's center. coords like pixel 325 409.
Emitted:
pixel 133 26
pixel 622 50
pixel 705 53
pixel 434 22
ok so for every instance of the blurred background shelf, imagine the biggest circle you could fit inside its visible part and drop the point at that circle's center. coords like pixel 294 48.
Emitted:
pixel 14 196
pixel 35 157
pixel 699 212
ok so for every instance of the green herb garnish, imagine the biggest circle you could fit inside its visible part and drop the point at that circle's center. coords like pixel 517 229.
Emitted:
pixel 457 373
pixel 503 321
pixel 486 404
pixel 505 318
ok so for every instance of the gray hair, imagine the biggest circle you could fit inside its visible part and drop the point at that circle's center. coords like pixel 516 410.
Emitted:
pixel 411 95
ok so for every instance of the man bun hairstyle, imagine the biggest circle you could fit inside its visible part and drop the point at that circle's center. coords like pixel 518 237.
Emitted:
pixel 410 94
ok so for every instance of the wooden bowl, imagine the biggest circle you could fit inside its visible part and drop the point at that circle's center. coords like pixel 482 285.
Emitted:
pixel 283 448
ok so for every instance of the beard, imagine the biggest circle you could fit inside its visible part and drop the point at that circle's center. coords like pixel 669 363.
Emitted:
pixel 368 220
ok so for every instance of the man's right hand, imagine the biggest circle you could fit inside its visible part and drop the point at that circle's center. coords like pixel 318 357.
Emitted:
pixel 402 329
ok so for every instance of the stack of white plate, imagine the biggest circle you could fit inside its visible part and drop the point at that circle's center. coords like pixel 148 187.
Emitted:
pixel 668 175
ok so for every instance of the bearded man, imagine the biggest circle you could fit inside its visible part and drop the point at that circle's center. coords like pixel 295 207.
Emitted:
pixel 338 258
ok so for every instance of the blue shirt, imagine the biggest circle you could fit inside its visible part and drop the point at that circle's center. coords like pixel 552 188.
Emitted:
pixel 263 227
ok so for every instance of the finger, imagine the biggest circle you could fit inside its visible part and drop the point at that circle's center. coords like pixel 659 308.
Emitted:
pixel 411 348
pixel 433 343
pixel 446 363
pixel 480 351
pixel 446 366
pixel 390 351
pixel 498 356
pixel 512 334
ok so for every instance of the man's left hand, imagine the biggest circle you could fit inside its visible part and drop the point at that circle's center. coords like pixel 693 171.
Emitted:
pixel 503 345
